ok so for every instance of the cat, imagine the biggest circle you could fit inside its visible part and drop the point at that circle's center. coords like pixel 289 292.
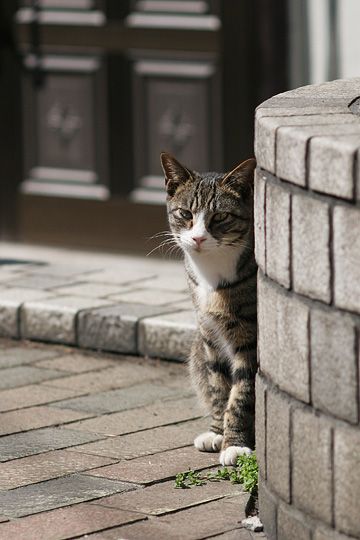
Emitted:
pixel 211 218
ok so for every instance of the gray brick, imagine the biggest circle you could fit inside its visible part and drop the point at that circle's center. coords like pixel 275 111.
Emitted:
pixel 10 301
pixel 23 375
pixel 267 129
pixel 268 510
pixel 164 499
pixel 333 364
pixel 331 164
pixel 120 399
pixel 201 521
pixel 347 480
pixel 291 524
pixel 41 440
pixel 40 467
pixel 311 465
pixel 162 466
pixel 283 339
pixel 347 257
pixel 167 336
pixel 114 328
pixel 310 247
pixel 147 417
pixel 278 444
pixel 291 144
pixel 150 296
pixel 39 281
pixel 57 493
pixel 69 522
pixel 260 425
pixel 18 356
pixel 259 218
pixel 278 234
pixel 142 443
pixel 54 319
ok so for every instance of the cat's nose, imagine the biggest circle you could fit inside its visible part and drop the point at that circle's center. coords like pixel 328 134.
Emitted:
pixel 198 240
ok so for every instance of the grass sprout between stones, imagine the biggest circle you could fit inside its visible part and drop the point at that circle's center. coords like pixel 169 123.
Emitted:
pixel 245 472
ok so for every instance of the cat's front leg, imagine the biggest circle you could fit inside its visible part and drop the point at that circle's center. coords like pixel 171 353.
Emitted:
pixel 239 422
pixel 213 385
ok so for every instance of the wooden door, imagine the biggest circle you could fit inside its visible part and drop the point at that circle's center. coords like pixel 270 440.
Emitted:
pixel 107 85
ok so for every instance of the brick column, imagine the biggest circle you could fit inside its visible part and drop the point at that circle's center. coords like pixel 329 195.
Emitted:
pixel 307 223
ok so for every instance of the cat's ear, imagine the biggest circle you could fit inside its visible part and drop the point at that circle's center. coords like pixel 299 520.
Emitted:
pixel 241 179
pixel 175 173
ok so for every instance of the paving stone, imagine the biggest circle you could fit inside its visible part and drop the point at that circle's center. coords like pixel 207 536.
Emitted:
pixel 331 164
pixel 27 396
pixel 238 534
pixel 58 492
pixel 278 444
pixel 201 521
pixel 122 375
pixel 41 440
pixel 91 290
pixel 23 375
pixel 146 442
pixel 347 480
pixel 311 437
pixel 153 415
pixel 39 281
pixel 77 363
pixel 10 301
pixel 158 467
pixel 127 273
pixel 278 234
pixel 121 399
pixel 310 247
pixel 259 218
pixel 64 523
pixel 292 142
pixel 36 417
pixel 291 525
pixel 54 319
pixel 174 281
pixel 268 510
pixel 164 498
pixel 151 296
pixel 334 382
pixel 34 469
pixel 66 270
pixel 18 356
pixel 260 424
pixel 167 336
pixel 283 338
pixel 346 251
pixel 113 328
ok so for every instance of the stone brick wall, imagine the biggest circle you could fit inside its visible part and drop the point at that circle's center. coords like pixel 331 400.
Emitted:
pixel 307 213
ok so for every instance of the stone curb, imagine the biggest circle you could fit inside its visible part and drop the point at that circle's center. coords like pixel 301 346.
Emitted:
pixel 106 310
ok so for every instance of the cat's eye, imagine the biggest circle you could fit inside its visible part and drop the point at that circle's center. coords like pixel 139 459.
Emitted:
pixel 220 216
pixel 185 214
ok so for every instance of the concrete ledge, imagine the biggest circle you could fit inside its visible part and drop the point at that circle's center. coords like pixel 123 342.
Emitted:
pixel 120 304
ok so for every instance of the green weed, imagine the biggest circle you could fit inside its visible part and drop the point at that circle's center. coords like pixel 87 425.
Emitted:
pixel 245 472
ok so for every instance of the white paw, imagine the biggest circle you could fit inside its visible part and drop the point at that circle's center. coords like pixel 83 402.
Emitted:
pixel 208 442
pixel 230 454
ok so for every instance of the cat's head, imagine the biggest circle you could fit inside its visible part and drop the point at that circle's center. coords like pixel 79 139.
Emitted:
pixel 209 212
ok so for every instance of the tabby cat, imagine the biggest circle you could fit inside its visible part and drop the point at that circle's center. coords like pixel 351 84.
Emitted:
pixel 211 219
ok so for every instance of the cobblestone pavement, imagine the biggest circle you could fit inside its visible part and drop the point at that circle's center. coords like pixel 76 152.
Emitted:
pixel 90 444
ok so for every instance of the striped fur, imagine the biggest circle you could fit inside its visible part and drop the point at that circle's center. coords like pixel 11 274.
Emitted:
pixel 211 219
